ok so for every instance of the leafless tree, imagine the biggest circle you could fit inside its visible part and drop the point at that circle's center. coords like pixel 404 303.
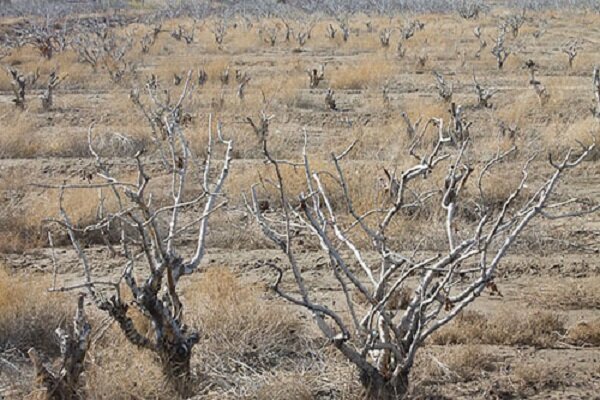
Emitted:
pixel 315 76
pixel 411 129
pixel 202 76
pixel 152 265
pixel 411 27
pixel 570 49
pixel 64 385
pixel 596 87
pixel 444 89
pixel 384 36
pixel 499 51
pixel 331 31
pixel 382 340
pixel 225 75
pixel 330 99
pixel 242 82
pixel 477 31
pixel 219 31
pixel 400 49
pixel 344 27
pixel 515 22
pixel 469 9
pixel 19 83
pixel 538 87
pixel 149 39
pixel 180 33
pixel 483 95
pixel 48 96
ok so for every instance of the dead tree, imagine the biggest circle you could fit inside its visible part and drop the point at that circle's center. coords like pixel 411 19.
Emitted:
pixel 384 37
pixel 410 28
pixel 344 26
pixel 400 50
pixel 499 51
pixel 444 89
pixel 477 31
pixel 48 96
pixel 330 99
pixel 458 128
pixel 596 87
pixel 202 76
pixel 180 33
pixel 383 340
pixel 242 86
pixel 149 39
pixel 64 385
pixel 385 93
pixel 315 76
pixel 149 236
pixel 219 31
pixel 411 129
pixel 570 49
pixel 19 83
pixel 331 31
pixel 515 22
pixel 469 9
pixel 483 95
pixel 224 77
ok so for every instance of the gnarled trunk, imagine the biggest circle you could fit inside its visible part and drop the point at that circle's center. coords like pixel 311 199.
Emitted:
pixel 379 387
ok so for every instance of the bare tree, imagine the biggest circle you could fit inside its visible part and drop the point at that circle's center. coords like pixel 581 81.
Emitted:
pixel 384 36
pixel 596 87
pixel 570 49
pixel 499 51
pixel 19 83
pixel 330 99
pixel 48 96
pixel 149 39
pixel 469 9
pixel 315 76
pixel 477 31
pixel 382 340
pixel 331 31
pixel 152 265
pixel 538 87
pixel 64 385
pixel 483 95
pixel 515 22
pixel 219 31
pixel 444 89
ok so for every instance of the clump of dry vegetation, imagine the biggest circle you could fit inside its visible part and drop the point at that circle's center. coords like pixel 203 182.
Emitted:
pixel 507 327
pixel 29 314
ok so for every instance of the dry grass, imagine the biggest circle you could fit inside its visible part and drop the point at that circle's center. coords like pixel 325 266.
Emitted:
pixel 585 333
pixel 534 328
pixel 569 294
pixel 29 314
pixel 364 73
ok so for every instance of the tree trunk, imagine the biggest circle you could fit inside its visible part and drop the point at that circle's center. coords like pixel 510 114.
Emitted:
pixel 175 360
pixel 379 387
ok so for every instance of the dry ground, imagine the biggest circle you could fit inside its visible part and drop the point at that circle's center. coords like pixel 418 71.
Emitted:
pixel 540 340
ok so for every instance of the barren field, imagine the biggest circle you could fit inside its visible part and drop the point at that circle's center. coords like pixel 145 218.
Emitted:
pixel 533 332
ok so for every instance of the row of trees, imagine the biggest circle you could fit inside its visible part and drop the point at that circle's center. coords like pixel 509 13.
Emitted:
pixel 379 338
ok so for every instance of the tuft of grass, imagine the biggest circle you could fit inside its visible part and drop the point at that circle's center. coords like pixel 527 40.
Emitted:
pixel 29 314
pixel 531 328
pixel 585 333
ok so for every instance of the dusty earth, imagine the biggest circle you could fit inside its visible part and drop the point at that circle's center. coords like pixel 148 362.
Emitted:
pixel 551 263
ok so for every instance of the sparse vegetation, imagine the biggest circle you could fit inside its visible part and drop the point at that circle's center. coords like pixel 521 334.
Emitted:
pixel 106 109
